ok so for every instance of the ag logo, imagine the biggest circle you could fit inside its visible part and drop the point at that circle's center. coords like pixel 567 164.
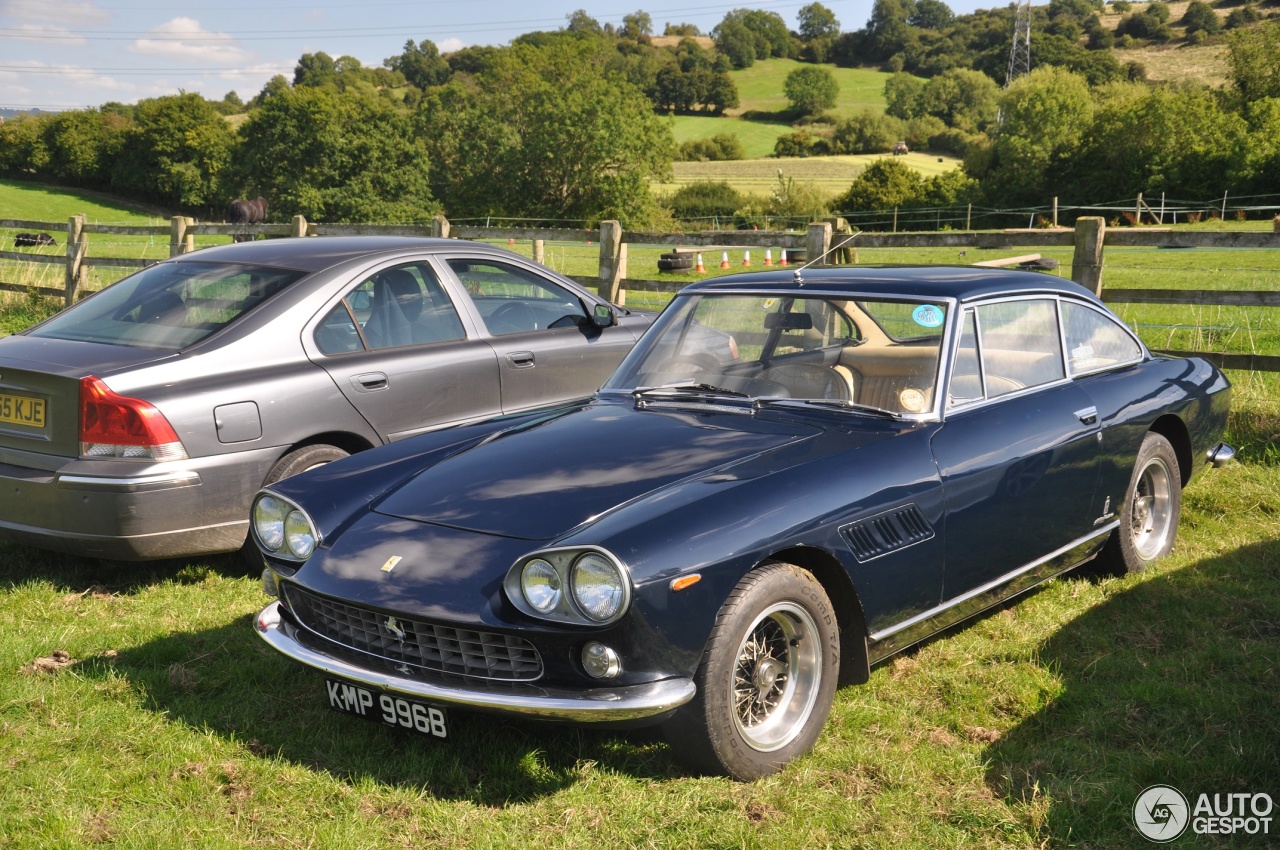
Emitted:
pixel 1161 813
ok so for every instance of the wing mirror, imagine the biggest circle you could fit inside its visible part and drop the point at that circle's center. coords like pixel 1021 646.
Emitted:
pixel 603 316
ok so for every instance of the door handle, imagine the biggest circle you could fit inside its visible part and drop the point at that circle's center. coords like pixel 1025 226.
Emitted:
pixel 521 359
pixel 370 381
pixel 1087 415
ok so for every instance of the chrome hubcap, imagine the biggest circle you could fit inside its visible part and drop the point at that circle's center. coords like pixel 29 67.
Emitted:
pixel 776 677
pixel 1151 514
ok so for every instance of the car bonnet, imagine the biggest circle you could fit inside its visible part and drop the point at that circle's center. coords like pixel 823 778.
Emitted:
pixel 540 482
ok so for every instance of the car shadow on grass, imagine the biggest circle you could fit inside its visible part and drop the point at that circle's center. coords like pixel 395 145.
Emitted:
pixel 1171 681
pixel 228 681
pixel 74 573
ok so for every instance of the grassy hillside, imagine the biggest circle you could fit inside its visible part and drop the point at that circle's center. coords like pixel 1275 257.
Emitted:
pixel 760 88
pixel 37 202
pixel 832 174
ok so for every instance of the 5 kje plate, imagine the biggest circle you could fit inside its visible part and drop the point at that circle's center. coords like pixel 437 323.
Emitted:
pixel 22 410
pixel 386 708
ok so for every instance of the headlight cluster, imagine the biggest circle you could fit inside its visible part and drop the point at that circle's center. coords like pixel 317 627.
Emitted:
pixel 571 585
pixel 282 528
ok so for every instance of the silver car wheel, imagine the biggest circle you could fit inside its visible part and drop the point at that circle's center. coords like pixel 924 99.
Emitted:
pixel 1151 514
pixel 776 678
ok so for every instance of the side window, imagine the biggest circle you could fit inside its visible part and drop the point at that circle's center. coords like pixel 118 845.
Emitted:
pixel 512 300
pixel 1094 340
pixel 1020 345
pixel 966 378
pixel 395 307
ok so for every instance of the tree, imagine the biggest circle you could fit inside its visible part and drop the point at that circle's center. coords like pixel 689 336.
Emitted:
pixel 811 90
pixel 176 152
pixel 636 26
pixel 1046 115
pixel 336 157
pixel 421 64
pixel 817 22
pixel 583 24
pixel 1253 60
pixel 315 70
pixel 886 183
pixel 735 41
pixel 964 99
pixel 931 15
pixel 769 33
pixel 866 132
pixel 902 94
pixel 546 133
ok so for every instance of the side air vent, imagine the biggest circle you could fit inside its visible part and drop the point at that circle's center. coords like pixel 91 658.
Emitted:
pixel 887 532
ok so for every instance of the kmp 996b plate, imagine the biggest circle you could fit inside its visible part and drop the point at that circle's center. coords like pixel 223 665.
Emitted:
pixel 386 708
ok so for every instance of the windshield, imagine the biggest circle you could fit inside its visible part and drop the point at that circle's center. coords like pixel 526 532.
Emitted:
pixel 170 305
pixel 879 353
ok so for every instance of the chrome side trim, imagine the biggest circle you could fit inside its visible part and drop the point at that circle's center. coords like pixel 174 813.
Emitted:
pixel 589 705
pixel 135 484
pixel 991 585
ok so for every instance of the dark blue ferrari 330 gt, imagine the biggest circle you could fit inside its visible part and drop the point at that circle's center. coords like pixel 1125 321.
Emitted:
pixel 791 477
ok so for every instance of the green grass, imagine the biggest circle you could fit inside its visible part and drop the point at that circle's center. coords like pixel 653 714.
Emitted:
pixel 1034 726
pixel 760 88
pixel 831 174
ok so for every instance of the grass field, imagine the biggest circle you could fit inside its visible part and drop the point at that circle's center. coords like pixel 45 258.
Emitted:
pixel 832 174
pixel 139 709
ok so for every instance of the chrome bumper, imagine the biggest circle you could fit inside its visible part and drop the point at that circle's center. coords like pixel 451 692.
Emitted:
pixel 596 705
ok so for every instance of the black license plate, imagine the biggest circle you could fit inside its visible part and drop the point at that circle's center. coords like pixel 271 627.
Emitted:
pixel 386 708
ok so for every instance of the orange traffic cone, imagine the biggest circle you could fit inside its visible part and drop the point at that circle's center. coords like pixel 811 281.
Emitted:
pixel 746 258
pixel 724 259
pixel 511 241
pixel 768 256
pixel 784 257
pixel 700 268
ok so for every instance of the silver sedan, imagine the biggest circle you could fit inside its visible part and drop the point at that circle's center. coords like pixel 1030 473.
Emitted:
pixel 139 423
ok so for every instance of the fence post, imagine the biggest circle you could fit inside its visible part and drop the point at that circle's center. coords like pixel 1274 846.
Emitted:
pixel 612 259
pixel 819 241
pixel 440 227
pixel 299 226
pixel 539 250
pixel 1086 263
pixel 177 235
pixel 76 249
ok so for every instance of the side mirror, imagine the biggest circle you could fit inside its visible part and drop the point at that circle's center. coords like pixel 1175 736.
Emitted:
pixel 603 316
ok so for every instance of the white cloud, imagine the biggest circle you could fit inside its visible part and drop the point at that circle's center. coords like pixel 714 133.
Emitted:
pixel 83 13
pixel 449 45
pixel 185 40
pixel 54 37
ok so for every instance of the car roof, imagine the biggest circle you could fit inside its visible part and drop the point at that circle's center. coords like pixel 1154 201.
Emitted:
pixel 962 283
pixel 314 253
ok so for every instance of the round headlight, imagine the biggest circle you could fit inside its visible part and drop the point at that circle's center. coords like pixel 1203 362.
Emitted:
pixel 268 522
pixel 540 584
pixel 598 586
pixel 298 535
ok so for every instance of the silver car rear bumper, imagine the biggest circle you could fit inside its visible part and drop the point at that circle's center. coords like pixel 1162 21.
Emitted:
pixel 595 705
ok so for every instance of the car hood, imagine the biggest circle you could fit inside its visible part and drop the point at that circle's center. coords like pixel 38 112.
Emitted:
pixel 537 483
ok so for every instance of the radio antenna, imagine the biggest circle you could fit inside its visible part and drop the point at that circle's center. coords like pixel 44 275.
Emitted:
pixel 822 257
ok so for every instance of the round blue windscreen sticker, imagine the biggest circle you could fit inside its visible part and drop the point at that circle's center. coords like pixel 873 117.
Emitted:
pixel 928 316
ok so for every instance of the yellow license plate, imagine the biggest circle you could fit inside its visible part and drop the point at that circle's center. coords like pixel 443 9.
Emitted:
pixel 22 410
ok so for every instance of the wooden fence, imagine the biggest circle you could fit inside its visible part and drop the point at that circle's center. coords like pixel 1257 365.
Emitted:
pixel 1089 239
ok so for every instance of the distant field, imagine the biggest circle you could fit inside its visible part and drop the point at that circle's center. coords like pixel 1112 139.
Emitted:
pixel 757 137
pixel 760 87
pixel 832 174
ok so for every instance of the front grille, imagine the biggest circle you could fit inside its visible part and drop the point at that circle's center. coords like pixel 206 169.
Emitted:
pixel 443 649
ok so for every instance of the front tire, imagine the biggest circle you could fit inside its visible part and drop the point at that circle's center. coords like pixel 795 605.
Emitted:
pixel 1152 506
pixel 767 678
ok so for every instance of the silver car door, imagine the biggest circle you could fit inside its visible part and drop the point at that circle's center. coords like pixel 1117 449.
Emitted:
pixel 547 346
pixel 398 350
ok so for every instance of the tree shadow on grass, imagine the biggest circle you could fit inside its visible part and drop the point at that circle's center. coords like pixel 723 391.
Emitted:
pixel 1169 682
pixel 228 681
pixel 21 564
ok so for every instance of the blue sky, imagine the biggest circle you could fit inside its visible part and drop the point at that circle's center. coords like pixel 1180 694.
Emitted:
pixel 66 54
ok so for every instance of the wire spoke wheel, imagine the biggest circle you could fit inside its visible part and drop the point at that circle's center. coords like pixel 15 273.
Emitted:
pixel 776 679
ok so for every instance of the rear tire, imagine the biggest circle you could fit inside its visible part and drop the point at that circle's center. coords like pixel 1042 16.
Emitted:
pixel 1149 516
pixel 675 262
pixel 767 678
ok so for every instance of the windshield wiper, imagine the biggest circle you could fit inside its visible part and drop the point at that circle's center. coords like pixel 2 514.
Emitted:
pixel 686 387
pixel 839 404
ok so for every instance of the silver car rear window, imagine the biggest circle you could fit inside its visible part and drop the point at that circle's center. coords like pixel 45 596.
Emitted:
pixel 169 306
